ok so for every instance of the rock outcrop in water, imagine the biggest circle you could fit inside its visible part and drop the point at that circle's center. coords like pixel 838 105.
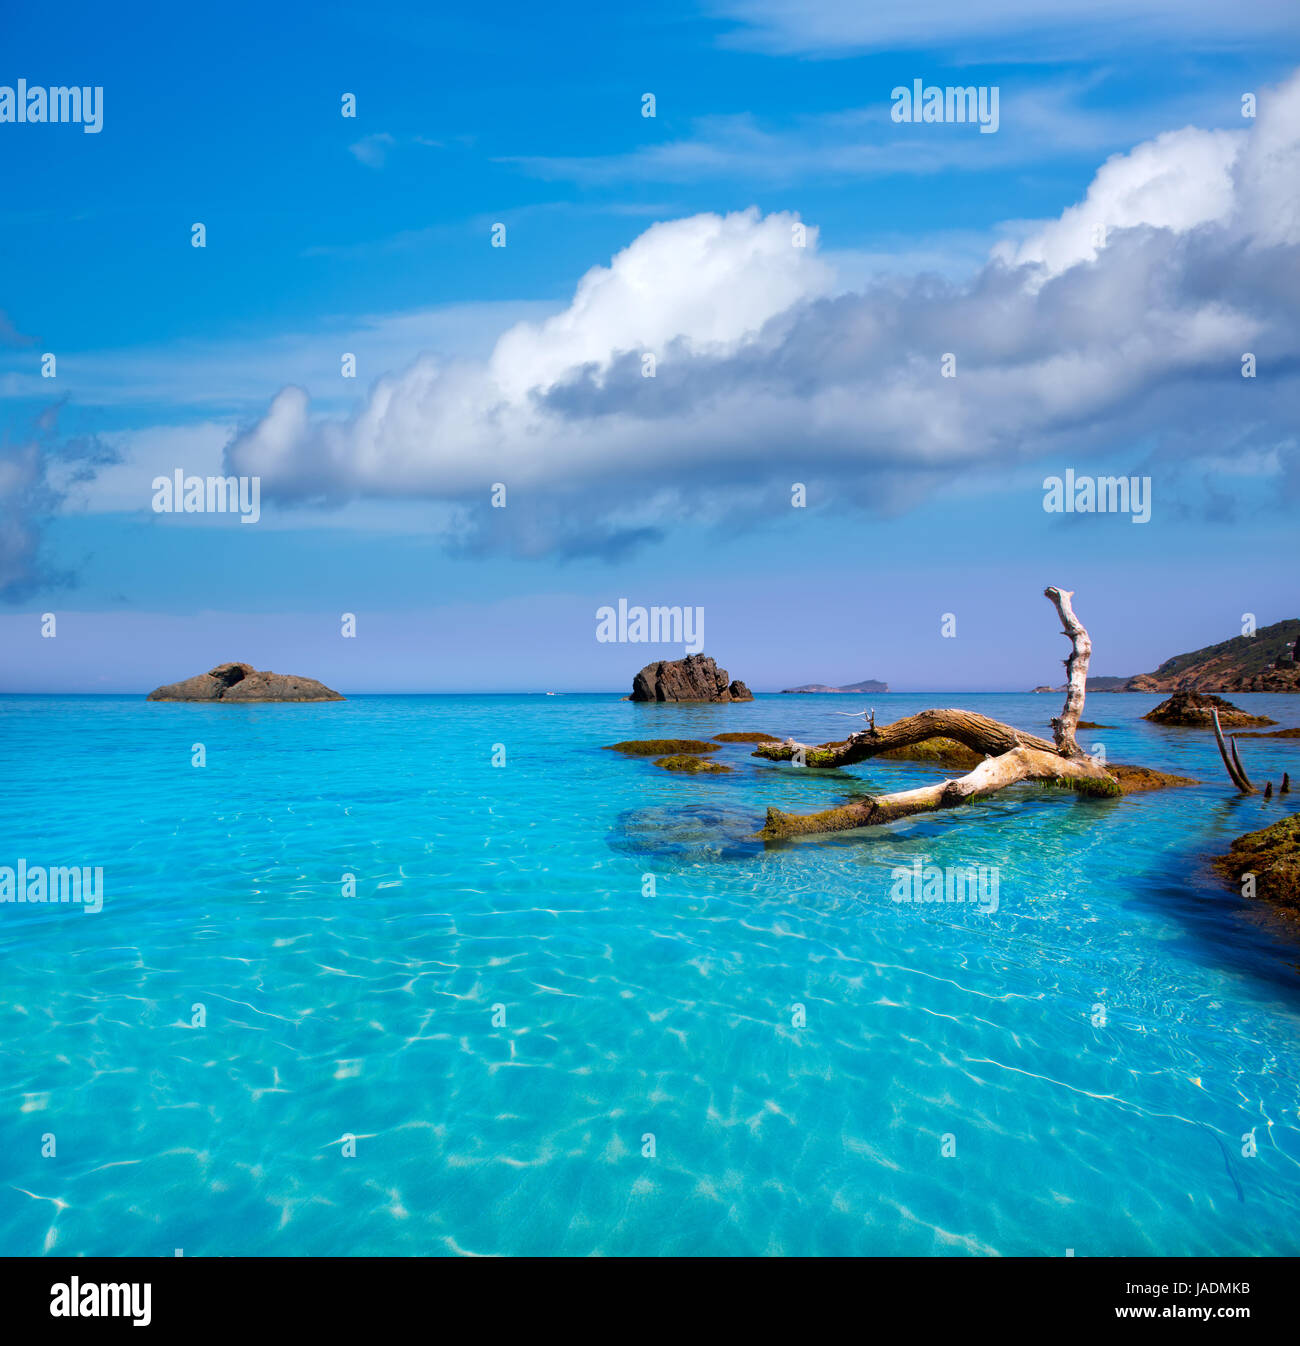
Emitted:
pixel 660 747
pixel 1272 856
pixel 1193 710
pixel 242 682
pixel 692 766
pixel 695 678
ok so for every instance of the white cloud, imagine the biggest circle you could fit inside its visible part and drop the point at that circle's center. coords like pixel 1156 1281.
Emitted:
pixel 1039 122
pixel 709 281
pixel 768 372
pixel 1176 181
pixel 1061 29
pixel 699 288
pixel 372 150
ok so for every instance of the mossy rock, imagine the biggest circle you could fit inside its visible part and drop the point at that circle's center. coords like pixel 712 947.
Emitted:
pixel 746 738
pixel 1137 779
pixel 1277 733
pixel 1272 855
pixel 945 751
pixel 691 765
pixel 819 757
pixel 1091 724
pixel 661 747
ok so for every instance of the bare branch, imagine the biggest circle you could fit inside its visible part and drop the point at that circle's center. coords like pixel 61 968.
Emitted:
pixel 1236 761
pixel 1235 774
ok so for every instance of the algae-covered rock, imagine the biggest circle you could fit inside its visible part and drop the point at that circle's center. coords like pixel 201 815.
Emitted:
pixel 661 747
pixel 945 751
pixel 1137 779
pixel 691 765
pixel 746 738
pixel 1272 856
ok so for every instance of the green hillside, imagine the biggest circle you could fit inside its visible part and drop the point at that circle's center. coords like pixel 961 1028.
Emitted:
pixel 1248 655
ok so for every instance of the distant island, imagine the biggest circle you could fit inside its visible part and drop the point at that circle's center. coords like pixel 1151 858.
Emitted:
pixel 243 683
pixel 869 685
pixel 1264 662
pixel 1101 684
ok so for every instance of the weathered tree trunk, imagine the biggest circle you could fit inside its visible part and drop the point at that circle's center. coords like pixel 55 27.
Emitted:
pixel 975 731
pixel 1076 673
pixel 1011 755
pixel 992 774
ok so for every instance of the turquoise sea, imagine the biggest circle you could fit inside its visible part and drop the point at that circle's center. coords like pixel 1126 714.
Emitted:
pixel 541 1049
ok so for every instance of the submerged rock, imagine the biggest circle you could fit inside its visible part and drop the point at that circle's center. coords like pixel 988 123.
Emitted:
pixel 695 678
pixel 687 833
pixel 242 682
pixel 1136 779
pixel 691 765
pixel 1192 710
pixel 661 747
pixel 1272 856
pixel 945 751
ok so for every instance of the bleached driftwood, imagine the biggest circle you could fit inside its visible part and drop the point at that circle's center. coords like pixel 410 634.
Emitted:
pixel 1076 673
pixel 1012 756
pixel 991 737
pixel 992 774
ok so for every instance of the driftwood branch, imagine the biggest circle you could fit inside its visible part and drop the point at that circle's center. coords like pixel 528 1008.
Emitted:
pixel 993 774
pixel 1011 756
pixel 1236 772
pixel 1076 673
pixel 1236 760
pixel 977 732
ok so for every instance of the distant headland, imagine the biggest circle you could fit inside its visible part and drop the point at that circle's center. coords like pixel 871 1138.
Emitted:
pixel 1264 662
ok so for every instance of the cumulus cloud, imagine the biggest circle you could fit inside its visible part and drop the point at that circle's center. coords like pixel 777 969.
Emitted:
pixel 1176 181
pixel 766 372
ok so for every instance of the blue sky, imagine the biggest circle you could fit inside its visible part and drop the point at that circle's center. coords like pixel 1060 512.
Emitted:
pixel 372 236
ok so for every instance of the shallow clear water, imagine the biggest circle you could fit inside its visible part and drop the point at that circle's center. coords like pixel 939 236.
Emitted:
pixel 627 1012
